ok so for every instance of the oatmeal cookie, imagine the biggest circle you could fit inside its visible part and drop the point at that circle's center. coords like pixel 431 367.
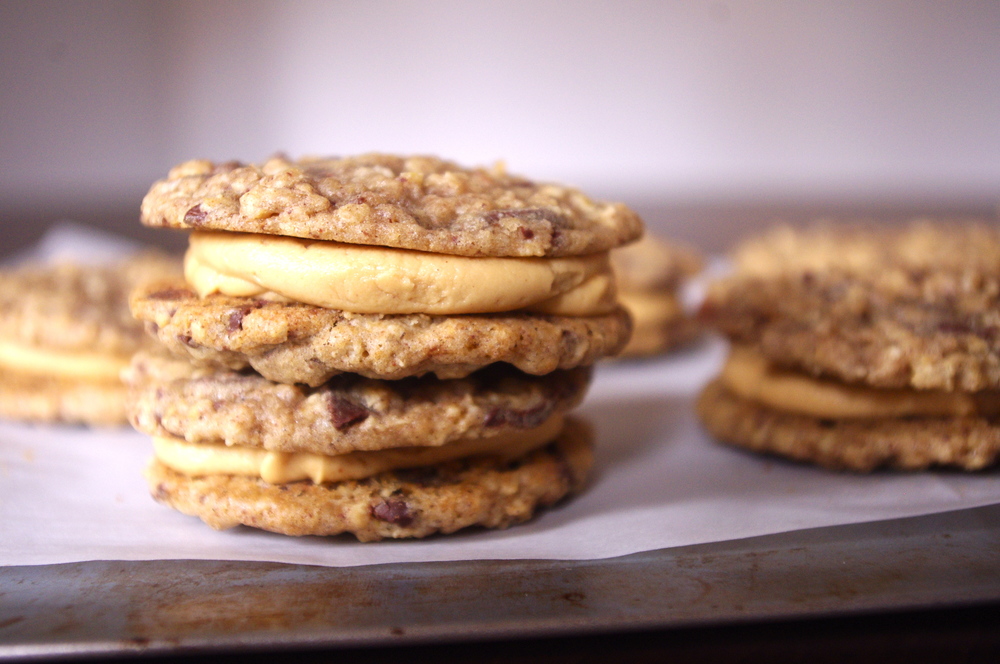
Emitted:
pixel 298 343
pixel 863 247
pixel 171 397
pixel 914 443
pixel 916 307
pixel 75 307
pixel 413 503
pixel 417 202
pixel 65 333
pixel 43 399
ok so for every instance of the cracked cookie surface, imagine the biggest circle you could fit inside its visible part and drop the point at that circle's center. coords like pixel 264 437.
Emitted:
pixel 417 202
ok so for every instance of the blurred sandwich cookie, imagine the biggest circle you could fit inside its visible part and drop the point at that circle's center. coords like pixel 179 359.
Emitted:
pixel 858 348
pixel 65 335
pixel 650 275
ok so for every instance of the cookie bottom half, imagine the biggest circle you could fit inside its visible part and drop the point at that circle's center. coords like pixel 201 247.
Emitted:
pixel 32 398
pixel 399 504
pixel 914 443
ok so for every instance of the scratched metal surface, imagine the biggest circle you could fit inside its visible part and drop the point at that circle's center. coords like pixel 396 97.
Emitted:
pixel 102 608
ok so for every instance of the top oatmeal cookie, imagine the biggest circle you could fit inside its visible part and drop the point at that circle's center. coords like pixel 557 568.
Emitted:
pixel 418 202
pixel 946 245
pixel 916 307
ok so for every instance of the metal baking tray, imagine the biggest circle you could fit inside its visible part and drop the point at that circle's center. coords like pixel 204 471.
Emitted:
pixel 177 606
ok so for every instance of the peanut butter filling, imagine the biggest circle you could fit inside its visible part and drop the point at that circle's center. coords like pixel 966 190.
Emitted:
pixel 197 459
pixel 380 280
pixel 77 365
pixel 748 374
pixel 651 309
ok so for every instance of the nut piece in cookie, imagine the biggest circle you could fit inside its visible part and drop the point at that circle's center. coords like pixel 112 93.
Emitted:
pixel 66 334
pixel 377 345
pixel 858 348
pixel 650 274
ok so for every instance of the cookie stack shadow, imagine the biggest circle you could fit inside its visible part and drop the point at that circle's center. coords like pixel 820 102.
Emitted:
pixel 377 345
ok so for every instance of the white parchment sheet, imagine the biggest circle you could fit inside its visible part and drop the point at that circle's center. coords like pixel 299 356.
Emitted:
pixel 71 494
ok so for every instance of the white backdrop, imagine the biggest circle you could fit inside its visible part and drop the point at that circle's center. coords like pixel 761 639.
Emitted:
pixel 683 99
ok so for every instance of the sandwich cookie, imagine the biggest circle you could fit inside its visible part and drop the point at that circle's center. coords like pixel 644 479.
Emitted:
pixel 385 346
pixel 65 335
pixel 857 348
pixel 650 275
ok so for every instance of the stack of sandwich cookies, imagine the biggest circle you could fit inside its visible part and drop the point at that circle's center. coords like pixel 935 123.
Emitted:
pixel 650 276
pixel 375 345
pixel 857 348
pixel 65 336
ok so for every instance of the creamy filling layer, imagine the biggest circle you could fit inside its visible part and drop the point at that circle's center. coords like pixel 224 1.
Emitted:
pixel 651 309
pixel 198 459
pixel 749 374
pixel 78 365
pixel 380 280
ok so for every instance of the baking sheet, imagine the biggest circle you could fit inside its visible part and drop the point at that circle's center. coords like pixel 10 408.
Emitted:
pixel 72 494
pixel 179 606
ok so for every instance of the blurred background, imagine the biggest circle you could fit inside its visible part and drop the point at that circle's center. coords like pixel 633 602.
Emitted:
pixel 711 118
